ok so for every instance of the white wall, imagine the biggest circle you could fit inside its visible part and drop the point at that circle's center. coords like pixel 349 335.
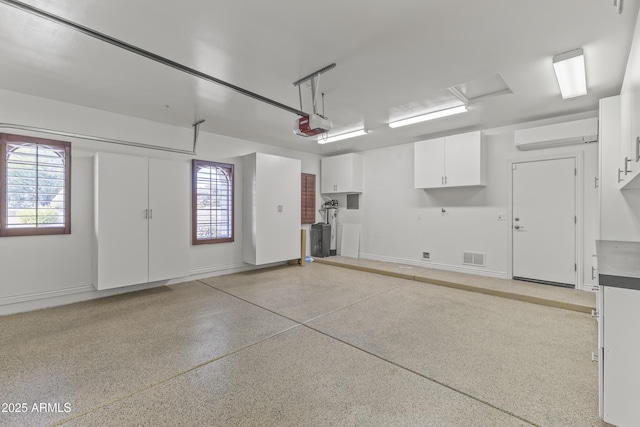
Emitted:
pixel 42 271
pixel 400 222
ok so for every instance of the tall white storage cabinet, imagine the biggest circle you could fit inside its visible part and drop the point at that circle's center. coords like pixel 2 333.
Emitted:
pixel 271 204
pixel 452 161
pixel 141 220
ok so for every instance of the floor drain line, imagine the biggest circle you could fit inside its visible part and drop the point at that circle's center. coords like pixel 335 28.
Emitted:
pixel 305 324
pixel 160 382
pixel 425 377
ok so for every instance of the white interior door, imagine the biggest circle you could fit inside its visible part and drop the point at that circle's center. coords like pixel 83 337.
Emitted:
pixel 544 221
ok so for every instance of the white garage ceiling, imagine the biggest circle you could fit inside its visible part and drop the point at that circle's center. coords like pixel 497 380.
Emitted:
pixel 394 59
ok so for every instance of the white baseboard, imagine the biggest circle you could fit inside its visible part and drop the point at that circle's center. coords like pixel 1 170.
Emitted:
pixel 429 264
pixel 39 300
pixel 219 270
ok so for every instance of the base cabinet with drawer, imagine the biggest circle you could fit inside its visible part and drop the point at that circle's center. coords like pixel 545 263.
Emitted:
pixel 619 331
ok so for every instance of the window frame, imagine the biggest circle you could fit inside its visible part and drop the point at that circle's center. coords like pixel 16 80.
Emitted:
pixel 195 164
pixel 308 213
pixel 64 146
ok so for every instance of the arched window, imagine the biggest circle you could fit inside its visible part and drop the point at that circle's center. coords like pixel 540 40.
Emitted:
pixel 35 186
pixel 212 185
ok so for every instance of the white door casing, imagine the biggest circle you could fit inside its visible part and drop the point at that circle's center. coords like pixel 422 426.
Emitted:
pixel 544 220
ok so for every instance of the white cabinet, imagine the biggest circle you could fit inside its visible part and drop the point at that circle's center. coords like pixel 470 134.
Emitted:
pixel 141 220
pixel 452 161
pixel 628 173
pixel 271 203
pixel 169 219
pixel 428 159
pixel 620 355
pixel 618 337
pixel 341 174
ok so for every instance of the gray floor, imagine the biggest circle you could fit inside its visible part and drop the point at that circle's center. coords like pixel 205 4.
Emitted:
pixel 290 346
pixel 551 296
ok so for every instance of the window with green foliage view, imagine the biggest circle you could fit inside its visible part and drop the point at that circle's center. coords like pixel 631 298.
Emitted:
pixel 35 184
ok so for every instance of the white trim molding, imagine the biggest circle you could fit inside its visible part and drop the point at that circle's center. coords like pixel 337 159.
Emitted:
pixel 429 264
pixel 46 299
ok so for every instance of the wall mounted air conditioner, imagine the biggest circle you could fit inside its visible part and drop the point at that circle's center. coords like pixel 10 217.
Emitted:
pixel 561 134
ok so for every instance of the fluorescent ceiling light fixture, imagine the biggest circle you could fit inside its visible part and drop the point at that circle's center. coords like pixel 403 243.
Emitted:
pixel 342 136
pixel 570 72
pixel 429 116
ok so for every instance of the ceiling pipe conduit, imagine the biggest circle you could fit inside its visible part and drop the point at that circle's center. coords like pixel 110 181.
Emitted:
pixel 145 53
pixel 101 139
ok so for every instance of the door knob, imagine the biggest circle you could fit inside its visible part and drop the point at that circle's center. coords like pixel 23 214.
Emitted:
pixel 518 227
pixel 516 219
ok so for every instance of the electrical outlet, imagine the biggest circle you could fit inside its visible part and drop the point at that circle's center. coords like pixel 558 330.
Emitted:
pixel 426 255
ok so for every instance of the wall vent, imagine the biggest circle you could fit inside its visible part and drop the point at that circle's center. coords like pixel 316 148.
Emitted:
pixel 426 255
pixel 473 258
pixel 353 201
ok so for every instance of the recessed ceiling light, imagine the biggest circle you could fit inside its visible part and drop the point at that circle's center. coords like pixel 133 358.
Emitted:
pixel 570 72
pixel 429 116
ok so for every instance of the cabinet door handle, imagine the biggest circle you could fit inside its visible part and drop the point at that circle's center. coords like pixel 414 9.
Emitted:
pixel 638 149
pixel 619 173
pixel 593 273
pixel 442 179
pixel 626 165
pixel 150 213
pixel 146 214
pixel 445 179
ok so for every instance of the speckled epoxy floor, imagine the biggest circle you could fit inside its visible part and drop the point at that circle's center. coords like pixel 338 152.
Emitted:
pixel 319 345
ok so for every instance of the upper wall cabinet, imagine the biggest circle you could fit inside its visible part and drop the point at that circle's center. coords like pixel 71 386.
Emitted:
pixel 451 161
pixel 628 173
pixel 141 220
pixel 341 174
